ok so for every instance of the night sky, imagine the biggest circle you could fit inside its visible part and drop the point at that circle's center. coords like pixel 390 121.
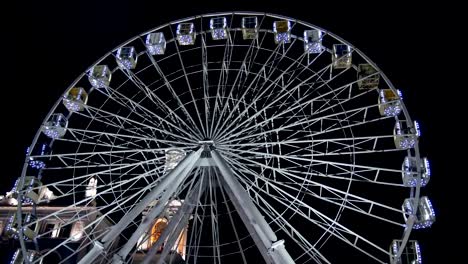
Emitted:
pixel 50 45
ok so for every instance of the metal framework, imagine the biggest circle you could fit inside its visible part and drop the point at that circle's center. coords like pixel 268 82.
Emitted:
pixel 287 143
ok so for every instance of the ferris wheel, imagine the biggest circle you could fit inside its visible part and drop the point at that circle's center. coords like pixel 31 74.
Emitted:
pixel 231 137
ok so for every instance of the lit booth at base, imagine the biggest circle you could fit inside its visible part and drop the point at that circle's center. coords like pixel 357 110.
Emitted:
pixel 178 249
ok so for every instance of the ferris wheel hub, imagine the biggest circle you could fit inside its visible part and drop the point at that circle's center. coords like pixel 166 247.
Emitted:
pixel 208 145
pixel 206 142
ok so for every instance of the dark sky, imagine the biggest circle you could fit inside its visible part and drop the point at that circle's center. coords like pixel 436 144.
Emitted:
pixel 49 45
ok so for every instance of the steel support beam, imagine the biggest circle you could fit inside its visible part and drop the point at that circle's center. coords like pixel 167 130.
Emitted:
pixel 273 251
pixel 177 222
pixel 167 185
